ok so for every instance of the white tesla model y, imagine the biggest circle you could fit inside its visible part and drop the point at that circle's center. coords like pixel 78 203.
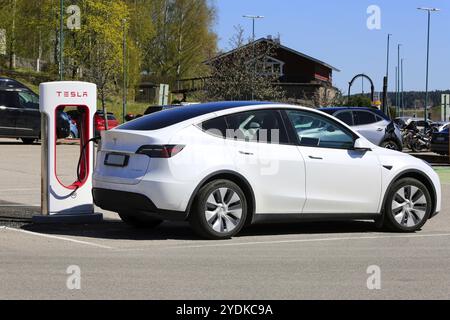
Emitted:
pixel 222 166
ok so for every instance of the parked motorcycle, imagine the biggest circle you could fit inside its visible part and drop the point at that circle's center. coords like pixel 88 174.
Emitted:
pixel 416 140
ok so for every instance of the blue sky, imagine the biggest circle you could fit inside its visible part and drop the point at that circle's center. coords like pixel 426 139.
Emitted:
pixel 336 32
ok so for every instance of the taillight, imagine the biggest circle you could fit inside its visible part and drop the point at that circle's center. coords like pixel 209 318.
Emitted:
pixel 160 151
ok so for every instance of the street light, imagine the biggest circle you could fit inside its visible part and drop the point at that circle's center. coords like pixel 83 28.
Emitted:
pixel 429 11
pixel 253 17
pixel 124 105
pixel 398 79
pixel 61 42
pixel 386 78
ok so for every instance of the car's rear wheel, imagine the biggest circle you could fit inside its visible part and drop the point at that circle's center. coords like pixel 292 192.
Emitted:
pixel 408 206
pixel 390 144
pixel 219 211
pixel 139 221
pixel 28 140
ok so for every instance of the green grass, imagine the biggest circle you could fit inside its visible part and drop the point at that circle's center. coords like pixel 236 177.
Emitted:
pixel 444 174
pixel 115 105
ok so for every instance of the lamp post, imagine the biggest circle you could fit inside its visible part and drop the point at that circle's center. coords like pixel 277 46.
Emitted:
pixel 402 102
pixel 61 42
pixel 398 78
pixel 253 17
pixel 429 11
pixel 386 78
pixel 124 106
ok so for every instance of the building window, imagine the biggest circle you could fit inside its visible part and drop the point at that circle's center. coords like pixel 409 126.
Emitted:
pixel 269 66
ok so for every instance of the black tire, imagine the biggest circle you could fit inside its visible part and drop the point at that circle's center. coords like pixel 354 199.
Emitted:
pixel 140 222
pixel 390 214
pixel 390 144
pixel 28 141
pixel 198 219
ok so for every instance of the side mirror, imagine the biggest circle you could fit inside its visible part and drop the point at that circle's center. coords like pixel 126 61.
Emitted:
pixel 362 145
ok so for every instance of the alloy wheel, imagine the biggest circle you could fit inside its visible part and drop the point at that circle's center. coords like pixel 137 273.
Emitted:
pixel 409 206
pixel 223 210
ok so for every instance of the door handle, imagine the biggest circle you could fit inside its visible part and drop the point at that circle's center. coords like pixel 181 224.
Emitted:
pixel 315 158
pixel 246 153
pixel 380 129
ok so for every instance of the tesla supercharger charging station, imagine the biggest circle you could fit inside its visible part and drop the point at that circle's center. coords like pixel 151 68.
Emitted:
pixel 61 202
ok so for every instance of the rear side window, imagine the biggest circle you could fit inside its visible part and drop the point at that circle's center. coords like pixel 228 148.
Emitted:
pixel 216 127
pixel 265 126
pixel 9 99
pixel 346 117
pixel 364 117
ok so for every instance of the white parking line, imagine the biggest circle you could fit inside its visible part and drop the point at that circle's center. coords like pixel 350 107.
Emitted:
pixel 309 240
pixel 58 238
pixel 20 189
pixel 19 205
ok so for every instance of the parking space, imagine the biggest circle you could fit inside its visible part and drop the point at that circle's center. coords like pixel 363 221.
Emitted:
pixel 276 261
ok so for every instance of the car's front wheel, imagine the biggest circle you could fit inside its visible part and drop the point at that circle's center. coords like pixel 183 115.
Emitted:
pixel 408 206
pixel 219 211
pixel 138 221
pixel 390 144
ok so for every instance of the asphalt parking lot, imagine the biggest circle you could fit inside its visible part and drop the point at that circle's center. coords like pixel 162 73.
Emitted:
pixel 282 261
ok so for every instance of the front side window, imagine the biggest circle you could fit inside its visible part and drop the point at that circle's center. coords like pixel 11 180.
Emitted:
pixel 364 117
pixel 314 130
pixel 28 100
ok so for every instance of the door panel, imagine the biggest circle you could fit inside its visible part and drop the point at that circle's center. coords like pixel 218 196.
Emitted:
pixel 8 114
pixel 341 181
pixel 277 174
pixel 368 125
pixel 28 122
pixel 276 170
pixel 338 179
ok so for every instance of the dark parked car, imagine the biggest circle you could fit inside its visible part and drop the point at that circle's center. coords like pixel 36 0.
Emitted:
pixel 20 116
pixel 439 142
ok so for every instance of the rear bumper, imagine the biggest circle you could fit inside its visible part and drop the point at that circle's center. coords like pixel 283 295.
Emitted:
pixel 137 204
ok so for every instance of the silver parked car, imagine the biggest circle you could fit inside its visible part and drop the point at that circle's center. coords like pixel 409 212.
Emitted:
pixel 372 123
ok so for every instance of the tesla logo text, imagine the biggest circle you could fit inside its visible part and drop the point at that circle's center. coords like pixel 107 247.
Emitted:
pixel 72 94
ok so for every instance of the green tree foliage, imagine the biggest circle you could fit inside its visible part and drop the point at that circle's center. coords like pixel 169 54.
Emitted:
pixel 166 39
pixel 359 101
pixel 183 39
